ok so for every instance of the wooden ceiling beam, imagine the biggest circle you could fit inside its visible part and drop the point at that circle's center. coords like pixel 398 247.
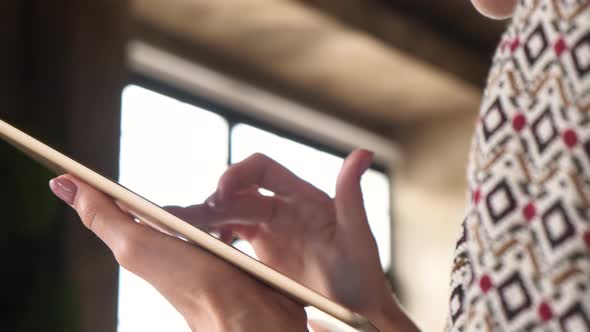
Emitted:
pixel 414 36
pixel 315 55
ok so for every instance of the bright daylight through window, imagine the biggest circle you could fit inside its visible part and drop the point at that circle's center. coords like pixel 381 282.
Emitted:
pixel 172 153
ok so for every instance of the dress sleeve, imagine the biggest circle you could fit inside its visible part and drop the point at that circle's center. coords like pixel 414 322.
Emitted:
pixel 522 260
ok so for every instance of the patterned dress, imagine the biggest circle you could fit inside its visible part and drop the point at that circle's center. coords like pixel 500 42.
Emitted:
pixel 522 262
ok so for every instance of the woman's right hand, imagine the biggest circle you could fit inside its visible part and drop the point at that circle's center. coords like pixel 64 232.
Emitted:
pixel 324 243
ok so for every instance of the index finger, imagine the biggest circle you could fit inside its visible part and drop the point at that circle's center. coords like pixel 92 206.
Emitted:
pixel 261 171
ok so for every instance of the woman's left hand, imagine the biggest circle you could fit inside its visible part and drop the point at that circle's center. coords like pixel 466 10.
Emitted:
pixel 211 294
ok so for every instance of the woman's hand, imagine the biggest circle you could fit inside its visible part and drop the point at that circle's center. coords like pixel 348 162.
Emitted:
pixel 324 243
pixel 210 294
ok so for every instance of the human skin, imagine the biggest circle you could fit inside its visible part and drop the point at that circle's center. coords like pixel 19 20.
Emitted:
pixel 325 243
pixel 209 293
pixel 496 9
pixel 322 242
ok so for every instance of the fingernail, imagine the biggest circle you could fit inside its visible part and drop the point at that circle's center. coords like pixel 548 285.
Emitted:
pixel 64 189
pixel 367 162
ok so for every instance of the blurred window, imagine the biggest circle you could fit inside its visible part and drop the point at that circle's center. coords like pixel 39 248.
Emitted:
pixel 173 152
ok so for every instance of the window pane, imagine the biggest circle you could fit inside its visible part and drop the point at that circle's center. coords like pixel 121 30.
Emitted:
pixel 171 153
pixel 320 169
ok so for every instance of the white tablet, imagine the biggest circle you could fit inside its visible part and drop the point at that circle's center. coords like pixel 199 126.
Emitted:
pixel 151 213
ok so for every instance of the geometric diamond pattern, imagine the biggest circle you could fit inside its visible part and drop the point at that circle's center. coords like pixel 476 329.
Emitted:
pixel 557 225
pixel 587 149
pixel 522 261
pixel 500 202
pixel 493 119
pixel 514 296
pixel 535 45
pixel 456 302
pixel 581 55
pixel 544 130
pixel 575 319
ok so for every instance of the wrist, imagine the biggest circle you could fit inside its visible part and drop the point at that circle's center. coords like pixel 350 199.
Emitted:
pixel 391 317
pixel 248 311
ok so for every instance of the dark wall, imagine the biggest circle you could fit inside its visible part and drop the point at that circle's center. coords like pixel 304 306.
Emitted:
pixel 62 69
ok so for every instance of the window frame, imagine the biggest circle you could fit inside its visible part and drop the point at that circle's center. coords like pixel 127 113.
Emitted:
pixel 161 71
pixel 234 117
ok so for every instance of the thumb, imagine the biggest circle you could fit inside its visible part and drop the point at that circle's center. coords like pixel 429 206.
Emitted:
pixel 98 212
pixel 350 208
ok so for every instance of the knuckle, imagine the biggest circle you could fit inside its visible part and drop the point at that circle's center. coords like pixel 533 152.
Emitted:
pixel 317 207
pixel 318 199
pixel 258 156
pixel 227 176
pixel 88 213
pixel 234 171
pixel 321 198
pixel 125 251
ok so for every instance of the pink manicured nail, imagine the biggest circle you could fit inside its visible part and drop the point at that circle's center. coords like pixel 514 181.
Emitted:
pixel 367 162
pixel 64 189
